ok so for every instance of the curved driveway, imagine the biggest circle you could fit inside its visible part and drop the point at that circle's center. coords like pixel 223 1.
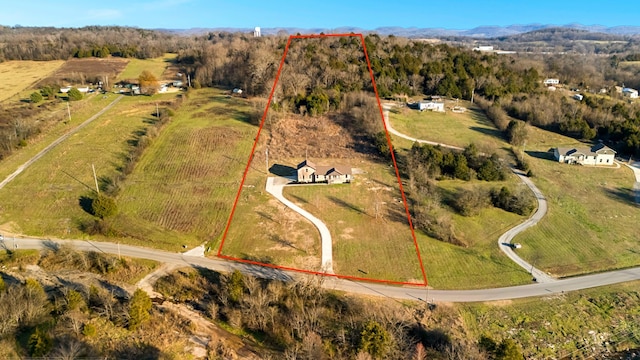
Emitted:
pixel 274 187
pixel 396 292
pixel 504 242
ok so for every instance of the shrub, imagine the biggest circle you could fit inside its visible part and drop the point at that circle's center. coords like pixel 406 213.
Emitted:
pixel 470 202
pixel 139 309
pixel 521 203
pixel 35 97
pixel 74 94
pixel 103 206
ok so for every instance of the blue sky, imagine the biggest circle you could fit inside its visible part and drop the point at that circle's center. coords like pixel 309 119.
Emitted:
pixel 184 14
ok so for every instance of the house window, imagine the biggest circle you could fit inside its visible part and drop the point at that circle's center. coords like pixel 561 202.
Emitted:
pixel 608 160
pixel 599 160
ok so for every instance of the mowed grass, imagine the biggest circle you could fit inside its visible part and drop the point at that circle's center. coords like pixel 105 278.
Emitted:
pixel 183 187
pixel 16 76
pixel 592 223
pixel 458 129
pixel 156 66
pixel 368 224
pixel 45 199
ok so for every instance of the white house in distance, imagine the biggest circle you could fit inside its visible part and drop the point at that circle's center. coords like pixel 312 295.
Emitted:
pixel 551 82
pixel 630 93
pixel 431 105
pixel 599 154
pixel 308 172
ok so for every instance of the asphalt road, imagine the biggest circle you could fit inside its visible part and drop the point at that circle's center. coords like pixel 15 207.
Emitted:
pixel 395 292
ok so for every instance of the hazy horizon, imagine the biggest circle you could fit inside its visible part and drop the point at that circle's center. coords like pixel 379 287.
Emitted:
pixel 369 15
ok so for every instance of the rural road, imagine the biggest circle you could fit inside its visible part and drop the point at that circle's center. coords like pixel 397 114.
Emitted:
pixel 504 242
pixel 62 138
pixel 395 292
pixel 393 131
pixel 635 167
pixel 274 187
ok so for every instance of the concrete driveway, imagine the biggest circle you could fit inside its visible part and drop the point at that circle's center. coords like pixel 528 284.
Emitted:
pixel 274 187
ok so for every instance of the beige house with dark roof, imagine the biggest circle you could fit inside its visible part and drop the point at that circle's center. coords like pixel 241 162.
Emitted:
pixel 599 154
pixel 309 172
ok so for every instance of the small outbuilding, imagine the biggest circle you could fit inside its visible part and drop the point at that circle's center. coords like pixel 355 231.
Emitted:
pixel 431 105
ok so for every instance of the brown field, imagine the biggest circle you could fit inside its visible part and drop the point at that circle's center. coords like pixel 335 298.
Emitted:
pixel 82 71
pixel 16 76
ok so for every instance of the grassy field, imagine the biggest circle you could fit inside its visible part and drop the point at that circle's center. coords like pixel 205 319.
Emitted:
pixel 569 326
pixel 183 187
pixel 44 199
pixel 80 111
pixel 592 223
pixel 634 64
pixel 368 224
pixel 156 66
pixel 16 76
pixel 459 129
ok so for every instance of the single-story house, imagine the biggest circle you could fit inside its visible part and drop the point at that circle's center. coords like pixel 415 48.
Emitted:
pixel 599 154
pixel 309 172
pixel 65 89
pixel 551 82
pixel 431 105
pixel 177 83
pixel 630 93
pixel 84 89
pixel 483 48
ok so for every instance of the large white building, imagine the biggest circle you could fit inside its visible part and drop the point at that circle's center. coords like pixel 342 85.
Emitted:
pixel 431 105
pixel 599 154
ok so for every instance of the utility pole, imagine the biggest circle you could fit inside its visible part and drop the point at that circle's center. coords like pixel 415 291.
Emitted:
pixel 157 111
pixel 266 153
pixel 95 178
pixel 189 79
pixel 69 111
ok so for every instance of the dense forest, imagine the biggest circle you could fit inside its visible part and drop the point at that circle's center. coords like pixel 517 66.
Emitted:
pixel 318 72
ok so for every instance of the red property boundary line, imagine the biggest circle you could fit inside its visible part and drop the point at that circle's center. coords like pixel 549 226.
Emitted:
pixel 393 158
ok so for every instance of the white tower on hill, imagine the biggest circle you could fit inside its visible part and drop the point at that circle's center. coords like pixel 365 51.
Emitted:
pixel 256 31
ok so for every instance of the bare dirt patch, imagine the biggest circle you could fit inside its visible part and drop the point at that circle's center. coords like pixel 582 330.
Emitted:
pixel 82 71
pixel 317 137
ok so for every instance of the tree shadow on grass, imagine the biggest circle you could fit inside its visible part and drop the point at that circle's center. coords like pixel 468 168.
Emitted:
pixel 541 155
pixel 86 203
pixel 626 195
pixel 304 201
pixel 347 205
pixel 491 132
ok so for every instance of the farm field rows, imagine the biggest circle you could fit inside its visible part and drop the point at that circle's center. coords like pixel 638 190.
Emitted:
pixel 16 76
pixel 592 223
pixel 183 187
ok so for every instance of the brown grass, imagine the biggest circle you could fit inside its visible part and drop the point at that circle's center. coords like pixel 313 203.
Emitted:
pixel 16 76
pixel 81 71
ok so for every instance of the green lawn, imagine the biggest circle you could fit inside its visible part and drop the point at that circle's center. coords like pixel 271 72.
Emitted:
pixel 156 66
pixel 592 223
pixel 368 224
pixel 44 199
pixel 459 129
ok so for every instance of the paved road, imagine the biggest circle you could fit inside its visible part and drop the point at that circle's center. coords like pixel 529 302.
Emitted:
pixel 635 167
pixel 274 187
pixel 505 240
pixel 410 293
pixel 62 138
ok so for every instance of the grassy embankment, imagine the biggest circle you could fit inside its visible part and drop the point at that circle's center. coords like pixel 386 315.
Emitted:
pixel 592 222
pixel 156 66
pixel 574 325
pixel 17 76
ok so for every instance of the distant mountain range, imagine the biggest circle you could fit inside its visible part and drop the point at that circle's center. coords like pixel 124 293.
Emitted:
pixel 413 32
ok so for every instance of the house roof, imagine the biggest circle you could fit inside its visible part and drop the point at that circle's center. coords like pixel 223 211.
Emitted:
pixel 599 148
pixel 306 162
